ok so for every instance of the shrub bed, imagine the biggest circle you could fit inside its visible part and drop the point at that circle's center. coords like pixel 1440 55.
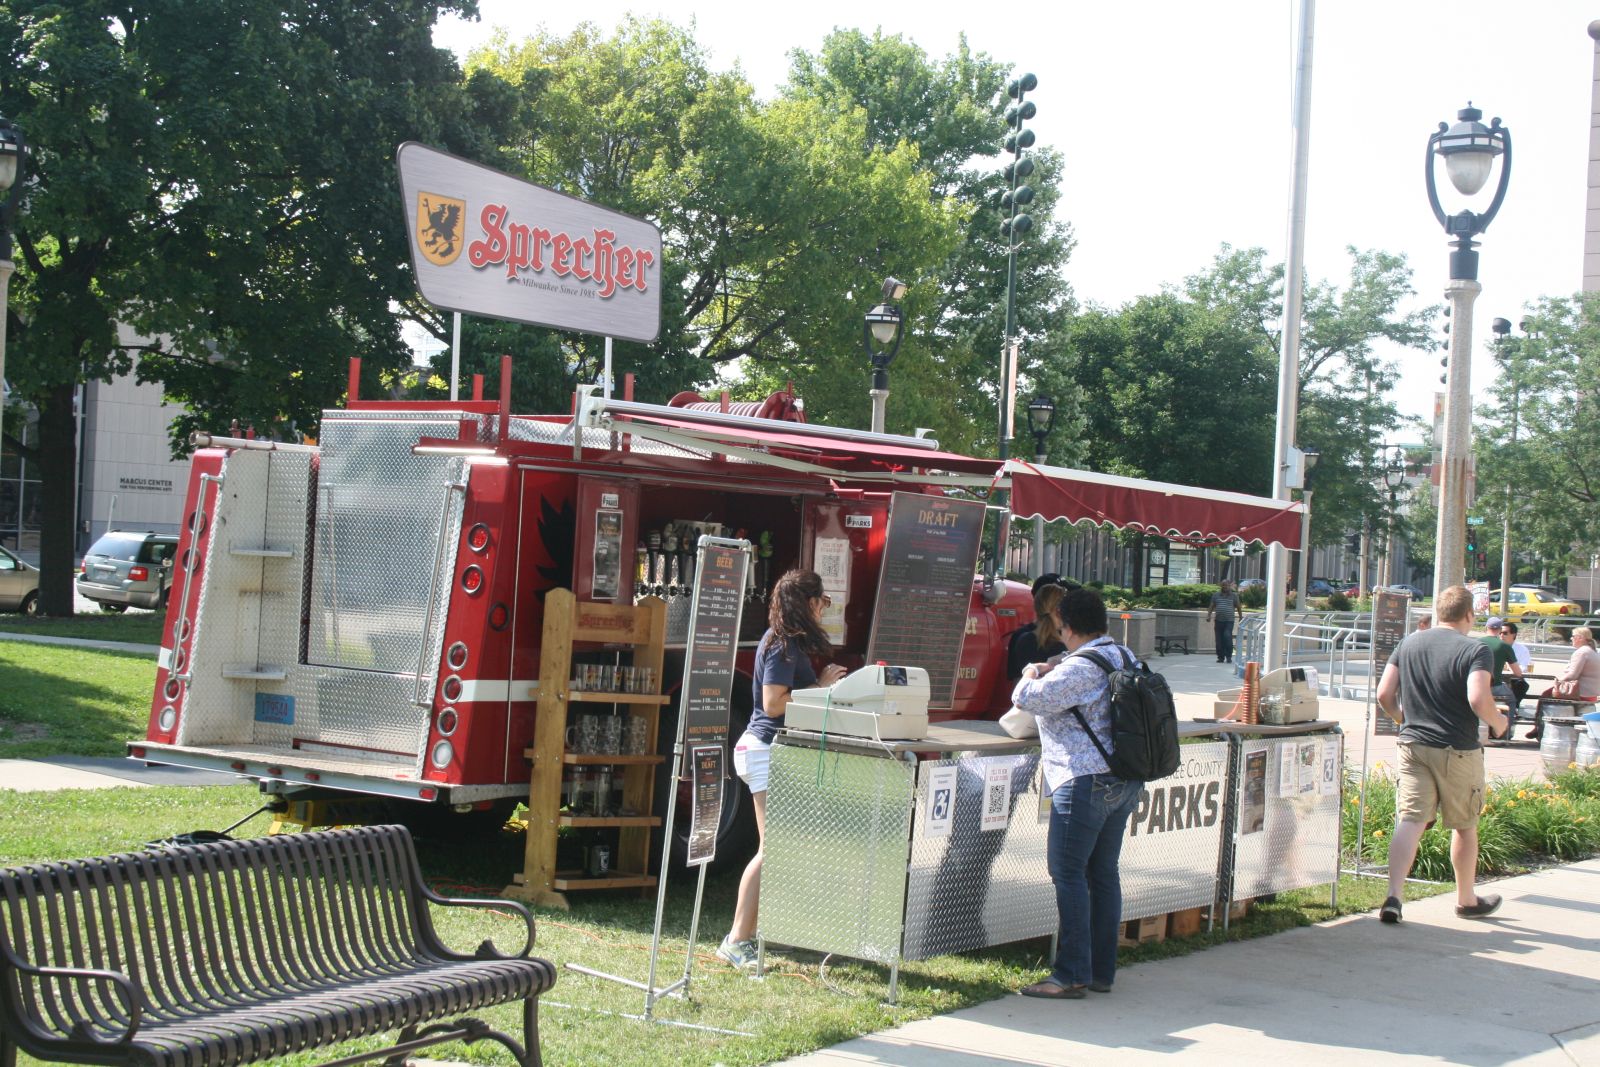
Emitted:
pixel 1524 823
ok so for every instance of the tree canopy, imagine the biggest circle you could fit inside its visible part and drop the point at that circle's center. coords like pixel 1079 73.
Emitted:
pixel 221 184
pixel 1537 435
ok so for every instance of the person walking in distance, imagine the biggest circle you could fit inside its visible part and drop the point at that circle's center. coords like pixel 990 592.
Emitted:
pixel 1225 606
pixel 1436 686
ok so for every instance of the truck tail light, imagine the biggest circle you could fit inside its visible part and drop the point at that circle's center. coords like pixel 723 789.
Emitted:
pixel 138 574
pixel 472 579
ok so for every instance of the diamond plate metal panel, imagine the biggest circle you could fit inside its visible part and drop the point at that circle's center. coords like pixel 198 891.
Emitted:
pixel 377 528
pixel 970 887
pixel 838 836
pixel 1171 856
pixel 219 710
pixel 1286 838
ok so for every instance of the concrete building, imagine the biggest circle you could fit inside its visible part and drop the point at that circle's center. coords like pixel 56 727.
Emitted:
pixel 127 478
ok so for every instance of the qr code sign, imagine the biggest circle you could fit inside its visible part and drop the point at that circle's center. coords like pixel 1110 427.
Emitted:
pixel 995 802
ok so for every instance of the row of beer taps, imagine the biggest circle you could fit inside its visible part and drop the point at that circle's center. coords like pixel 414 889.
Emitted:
pixel 664 562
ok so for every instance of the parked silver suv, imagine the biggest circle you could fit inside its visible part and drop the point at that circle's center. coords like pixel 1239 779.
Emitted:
pixel 127 567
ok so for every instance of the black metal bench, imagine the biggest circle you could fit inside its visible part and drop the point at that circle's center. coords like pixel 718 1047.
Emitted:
pixel 240 951
pixel 1167 642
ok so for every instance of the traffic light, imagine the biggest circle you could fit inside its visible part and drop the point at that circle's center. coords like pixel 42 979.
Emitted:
pixel 1472 542
pixel 1353 543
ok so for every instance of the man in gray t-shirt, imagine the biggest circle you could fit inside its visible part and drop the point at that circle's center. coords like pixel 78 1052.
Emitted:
pixel 1441 678
pixel 1225 607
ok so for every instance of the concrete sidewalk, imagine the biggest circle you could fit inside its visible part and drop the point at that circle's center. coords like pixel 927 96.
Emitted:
pixel 1522 987
pixel 81 642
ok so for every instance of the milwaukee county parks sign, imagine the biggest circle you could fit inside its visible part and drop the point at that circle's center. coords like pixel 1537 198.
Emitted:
pixel 485 243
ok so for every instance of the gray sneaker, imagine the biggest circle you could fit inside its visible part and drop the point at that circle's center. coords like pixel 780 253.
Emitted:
pixel 740 954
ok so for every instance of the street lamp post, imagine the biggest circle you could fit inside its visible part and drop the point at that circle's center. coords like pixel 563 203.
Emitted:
pixel 1394 475
pixel 13 167
pixel 1468 149
pixel 1506 358
pixel 883 326
pixel 1041 419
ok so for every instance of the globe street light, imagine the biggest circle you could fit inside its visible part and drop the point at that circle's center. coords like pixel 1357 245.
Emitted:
pixel 882 325
pixel 1468 149
pixel 1041 419
pixel 13 169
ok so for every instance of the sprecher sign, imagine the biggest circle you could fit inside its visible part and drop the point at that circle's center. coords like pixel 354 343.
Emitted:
pixel 485 243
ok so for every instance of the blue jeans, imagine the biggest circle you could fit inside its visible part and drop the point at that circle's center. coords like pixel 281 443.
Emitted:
pixel 1088 816
pixel 1224 632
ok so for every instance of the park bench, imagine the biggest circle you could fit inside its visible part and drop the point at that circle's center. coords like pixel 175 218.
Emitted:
pixel 1167 642
pixel 240 951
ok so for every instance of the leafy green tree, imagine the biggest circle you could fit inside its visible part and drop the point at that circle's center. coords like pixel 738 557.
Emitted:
pixel 220 182
pixel 1345 410
pixel 951 111
pixel 1548 386
pixel 771 213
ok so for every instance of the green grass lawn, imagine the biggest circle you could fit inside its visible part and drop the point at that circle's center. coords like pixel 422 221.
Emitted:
pixel 133 626
pixel 796 1008
pixel 62 701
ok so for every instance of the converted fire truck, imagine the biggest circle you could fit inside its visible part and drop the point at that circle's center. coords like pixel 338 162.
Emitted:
pixel 364 617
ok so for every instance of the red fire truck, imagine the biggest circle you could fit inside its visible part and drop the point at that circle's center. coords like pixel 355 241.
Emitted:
pixel 363 617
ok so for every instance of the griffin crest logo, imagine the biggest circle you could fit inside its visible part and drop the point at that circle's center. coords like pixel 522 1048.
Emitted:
pixel 439 226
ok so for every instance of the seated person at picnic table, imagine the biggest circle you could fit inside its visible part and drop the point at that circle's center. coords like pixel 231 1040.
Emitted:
pixel 1581 679
pixel 1503 657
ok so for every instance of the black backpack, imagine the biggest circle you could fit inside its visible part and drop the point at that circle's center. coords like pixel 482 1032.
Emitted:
pixel 1144 720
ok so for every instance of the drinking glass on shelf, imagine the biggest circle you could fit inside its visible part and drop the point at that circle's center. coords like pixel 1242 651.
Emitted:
pixel 638 731
pixel 610 734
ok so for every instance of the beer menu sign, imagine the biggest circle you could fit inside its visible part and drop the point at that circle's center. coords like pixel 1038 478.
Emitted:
pixel 930 555
pixel 485 243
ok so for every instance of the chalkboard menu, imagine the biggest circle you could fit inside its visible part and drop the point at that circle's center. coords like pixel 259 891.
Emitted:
pixel 929 557
pixel 708 680
pixel 719 584
pixel 1391 613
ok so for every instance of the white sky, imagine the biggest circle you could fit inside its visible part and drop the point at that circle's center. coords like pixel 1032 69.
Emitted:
pixel 1174 121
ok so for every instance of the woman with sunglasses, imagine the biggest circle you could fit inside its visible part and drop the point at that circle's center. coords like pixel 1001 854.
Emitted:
pixel 783 664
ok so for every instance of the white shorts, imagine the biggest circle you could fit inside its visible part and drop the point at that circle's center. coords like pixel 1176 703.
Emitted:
pixel 751 758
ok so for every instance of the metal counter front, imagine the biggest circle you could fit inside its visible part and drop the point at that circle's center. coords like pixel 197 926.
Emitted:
pixel 904 850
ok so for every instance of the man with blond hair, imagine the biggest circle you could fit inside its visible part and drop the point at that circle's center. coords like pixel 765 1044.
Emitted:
pixel 1440 678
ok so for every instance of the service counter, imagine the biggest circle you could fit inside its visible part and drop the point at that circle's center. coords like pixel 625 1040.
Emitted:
pixel 904 850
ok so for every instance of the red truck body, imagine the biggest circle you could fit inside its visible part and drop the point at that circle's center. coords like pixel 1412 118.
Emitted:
pixel 364 616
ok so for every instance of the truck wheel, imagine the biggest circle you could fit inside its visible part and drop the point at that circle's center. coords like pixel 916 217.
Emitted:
pixel 736 830
pixel 30 604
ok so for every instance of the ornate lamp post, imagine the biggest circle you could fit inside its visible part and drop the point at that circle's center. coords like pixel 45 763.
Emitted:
pixel 1041 419
pixel 883 326
pixel 1394 476
pixel 1468 149
pixel 13 169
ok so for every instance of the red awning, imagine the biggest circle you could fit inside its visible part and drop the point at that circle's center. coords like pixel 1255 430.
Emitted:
pixel 840 452
pixel 1183 512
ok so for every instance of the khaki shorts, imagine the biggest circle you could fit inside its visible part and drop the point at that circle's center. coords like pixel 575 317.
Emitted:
pixel 1447 781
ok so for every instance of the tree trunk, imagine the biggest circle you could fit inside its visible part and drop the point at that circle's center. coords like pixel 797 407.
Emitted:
pixel 58 468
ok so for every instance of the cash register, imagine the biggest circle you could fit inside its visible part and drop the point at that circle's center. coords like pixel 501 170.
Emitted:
pixel 881 701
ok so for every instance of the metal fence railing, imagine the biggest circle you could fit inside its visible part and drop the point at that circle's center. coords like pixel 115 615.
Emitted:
pixel 1339 645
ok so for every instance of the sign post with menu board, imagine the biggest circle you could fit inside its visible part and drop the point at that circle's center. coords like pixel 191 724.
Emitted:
pixel 722 567
pixel 929 557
